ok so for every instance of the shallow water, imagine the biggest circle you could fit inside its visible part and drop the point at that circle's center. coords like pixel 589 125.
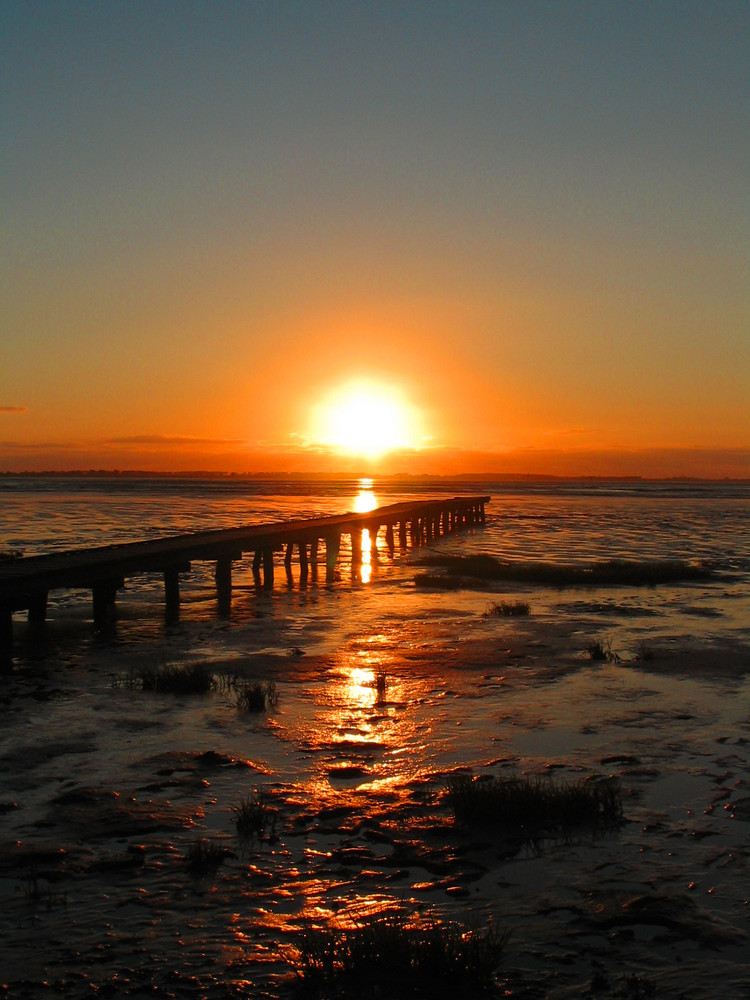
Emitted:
pixel 104 789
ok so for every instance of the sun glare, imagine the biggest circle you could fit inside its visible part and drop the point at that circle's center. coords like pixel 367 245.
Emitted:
pixel 366 418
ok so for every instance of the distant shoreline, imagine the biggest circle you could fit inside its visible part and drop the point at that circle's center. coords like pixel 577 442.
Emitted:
pixel 316 477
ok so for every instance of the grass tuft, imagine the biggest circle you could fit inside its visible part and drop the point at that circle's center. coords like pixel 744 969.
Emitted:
pixel 252 696
pixel 255 817
pixel 509 609
pixel 170 678
pixel 602 652
pixel 534 807
pixel 35 891
pixel 386 956
pixel 204 855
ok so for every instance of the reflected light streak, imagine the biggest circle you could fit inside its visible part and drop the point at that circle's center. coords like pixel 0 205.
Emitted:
pixel 365 501
pixel 369 724
pixel 365 572
pixel 360 689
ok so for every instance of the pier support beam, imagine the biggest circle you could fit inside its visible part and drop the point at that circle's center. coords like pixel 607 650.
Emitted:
pixel 223 578
pixel 38 609
pixel 171 596
pixel 333 544
pixel 288 562
pixel 389 540
pixel 104 595
pixel 373 530
pixel 257 559
pixel 268 568
pixel 415 529
pixel 303 564
pixel 6 637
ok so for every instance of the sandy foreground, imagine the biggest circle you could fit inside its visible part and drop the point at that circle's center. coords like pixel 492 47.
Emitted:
pixel 105 791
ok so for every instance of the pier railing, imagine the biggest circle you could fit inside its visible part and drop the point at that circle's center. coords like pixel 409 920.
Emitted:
pixel 25 583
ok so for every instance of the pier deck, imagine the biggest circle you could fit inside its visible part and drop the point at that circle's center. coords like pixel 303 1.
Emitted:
pixel 25 583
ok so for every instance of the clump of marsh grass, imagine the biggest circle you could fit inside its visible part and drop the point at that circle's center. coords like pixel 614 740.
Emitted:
pixel 644 652
pixel 387 956
pixel 610 572
pixel 37 893
pixel 509 609
pixel 203 855
pixel 170 678
pixel 192 678
pixel 602 652
pixel 255 817
pixel 533 808
pixel 252 696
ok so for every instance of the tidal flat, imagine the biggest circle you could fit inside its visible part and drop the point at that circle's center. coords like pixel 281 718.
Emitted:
pixel 125 871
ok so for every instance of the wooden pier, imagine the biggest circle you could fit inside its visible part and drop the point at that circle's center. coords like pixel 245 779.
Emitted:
pixel 25 583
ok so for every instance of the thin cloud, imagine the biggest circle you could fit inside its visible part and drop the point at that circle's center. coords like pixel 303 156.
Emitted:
pixel 13 409
pixel 36 446
pixel 171 440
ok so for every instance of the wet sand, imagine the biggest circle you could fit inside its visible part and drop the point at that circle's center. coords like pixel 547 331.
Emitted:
pixel 98 896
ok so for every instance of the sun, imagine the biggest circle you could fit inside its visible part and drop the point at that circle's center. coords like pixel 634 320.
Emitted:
pixel 366 418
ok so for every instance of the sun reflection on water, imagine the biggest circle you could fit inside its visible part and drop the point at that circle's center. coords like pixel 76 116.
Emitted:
pixel 364 502
pixel 365 571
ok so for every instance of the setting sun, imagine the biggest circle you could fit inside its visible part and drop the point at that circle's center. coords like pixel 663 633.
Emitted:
pixel 366 418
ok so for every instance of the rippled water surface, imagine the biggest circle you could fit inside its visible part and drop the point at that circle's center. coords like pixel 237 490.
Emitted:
pixel 384 689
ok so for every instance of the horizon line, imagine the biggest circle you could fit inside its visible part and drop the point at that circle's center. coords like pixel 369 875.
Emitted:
pixel 332 476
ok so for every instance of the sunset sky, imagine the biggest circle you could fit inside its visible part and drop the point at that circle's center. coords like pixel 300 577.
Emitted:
pixel 513 237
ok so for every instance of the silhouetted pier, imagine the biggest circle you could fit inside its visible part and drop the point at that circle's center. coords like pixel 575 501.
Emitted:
pixel 25 583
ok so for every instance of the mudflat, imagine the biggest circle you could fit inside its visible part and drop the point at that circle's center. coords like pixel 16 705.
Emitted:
pixel 179 845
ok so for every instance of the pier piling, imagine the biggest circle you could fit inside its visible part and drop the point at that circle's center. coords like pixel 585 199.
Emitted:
pixel 223 577
pixel 171 596
pixel 38 609
pixel 268 568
